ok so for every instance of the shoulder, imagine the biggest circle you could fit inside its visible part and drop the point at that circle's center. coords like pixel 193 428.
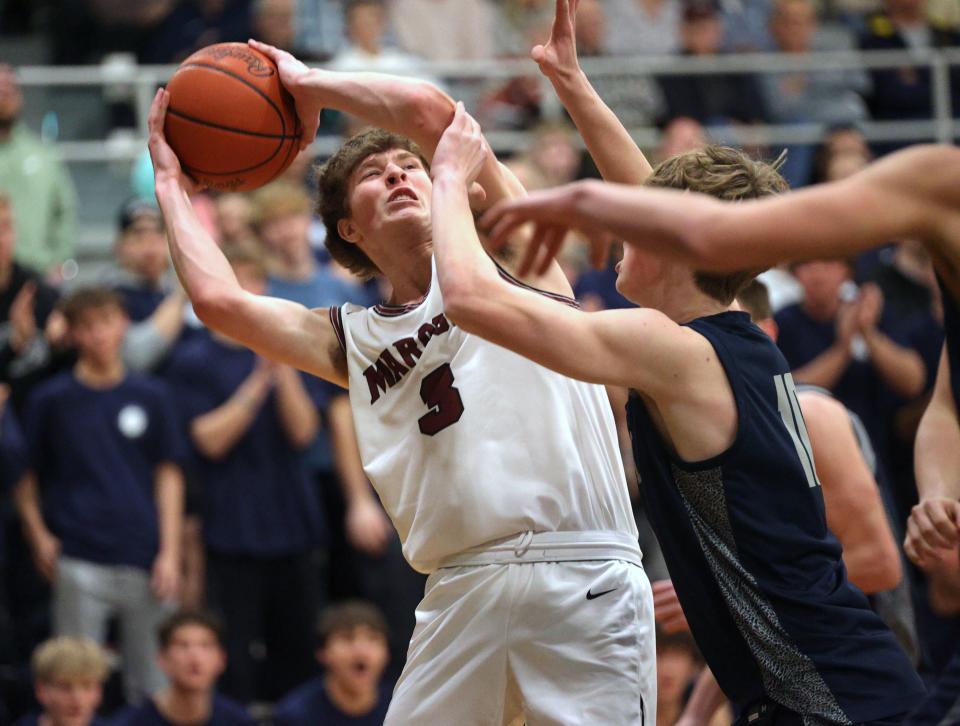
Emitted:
pixel 58 385
pixel 133 716
pixel 147 385
pixel 820 408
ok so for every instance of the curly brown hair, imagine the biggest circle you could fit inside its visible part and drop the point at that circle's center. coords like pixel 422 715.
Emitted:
pixel 727 174
pixel 333 181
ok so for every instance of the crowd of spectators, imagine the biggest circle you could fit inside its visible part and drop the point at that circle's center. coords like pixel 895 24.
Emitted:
pixel 177 511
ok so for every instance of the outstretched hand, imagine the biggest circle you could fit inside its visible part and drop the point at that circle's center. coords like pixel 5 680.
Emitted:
pixel 293 76
pixel 166 165
pixel 559 55
pixel 553 215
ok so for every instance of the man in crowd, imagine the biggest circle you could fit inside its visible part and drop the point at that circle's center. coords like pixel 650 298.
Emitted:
pixel 192 657
pixel 40 189
pixel 104 447
pixel 353 652
pixel 250 422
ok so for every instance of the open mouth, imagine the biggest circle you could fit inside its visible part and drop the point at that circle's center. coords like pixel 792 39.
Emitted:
pixel 403 193
pixel 360 667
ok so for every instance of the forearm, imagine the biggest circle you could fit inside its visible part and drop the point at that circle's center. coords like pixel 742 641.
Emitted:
pixel 826 369
pixel 346 453
pixel 298 414
pixel 26 498
pixel 168 494
pixel 611 147
pixel 216 432
pixel 937 457
pixel 416 109
pixel 201 266
pixel 467 274
pixel 901 368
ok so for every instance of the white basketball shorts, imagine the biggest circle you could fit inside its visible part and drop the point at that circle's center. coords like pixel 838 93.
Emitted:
pixel 556 628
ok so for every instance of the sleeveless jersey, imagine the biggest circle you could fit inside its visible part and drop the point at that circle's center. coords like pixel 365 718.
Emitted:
pixel 759 576
pixel 466 442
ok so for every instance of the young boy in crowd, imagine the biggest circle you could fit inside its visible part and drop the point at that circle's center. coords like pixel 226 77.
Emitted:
pixel 68 682
pixel 250 422
pixel 102 502
pixel 192 657
pixel 353 651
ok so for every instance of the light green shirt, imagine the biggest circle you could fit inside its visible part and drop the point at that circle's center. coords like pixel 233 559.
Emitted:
pixel 43 198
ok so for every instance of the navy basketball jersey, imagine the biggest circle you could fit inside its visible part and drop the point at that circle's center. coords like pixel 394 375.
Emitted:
pixel 759 576
pixel 951 328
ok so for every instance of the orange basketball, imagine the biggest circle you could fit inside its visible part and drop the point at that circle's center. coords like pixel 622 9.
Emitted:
pixel 230 121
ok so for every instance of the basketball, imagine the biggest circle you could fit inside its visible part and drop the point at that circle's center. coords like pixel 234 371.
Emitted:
pixel 231 123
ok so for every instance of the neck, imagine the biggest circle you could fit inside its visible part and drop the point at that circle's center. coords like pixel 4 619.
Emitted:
pixel 370 47
pixel 351 703
pixel 184 706
pixel 820 312
pixel 96 374
pixel 408 271
pixel 298 264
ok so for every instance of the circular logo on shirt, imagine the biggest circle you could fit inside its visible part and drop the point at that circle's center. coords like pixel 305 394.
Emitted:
pixel 132 421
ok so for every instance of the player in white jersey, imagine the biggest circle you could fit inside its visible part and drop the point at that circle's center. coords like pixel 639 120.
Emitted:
pixel 503 479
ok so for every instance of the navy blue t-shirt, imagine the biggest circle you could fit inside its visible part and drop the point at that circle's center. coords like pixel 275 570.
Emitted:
pixel 13 458
pixel 95 452
pixel 257 499
pixel 758 573
pixel 309 705
pixel 140 301
pixel 224 713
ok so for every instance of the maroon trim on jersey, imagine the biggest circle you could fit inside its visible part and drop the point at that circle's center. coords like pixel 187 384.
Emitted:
pixel 392 311
pixel 552 295
pixel 336 320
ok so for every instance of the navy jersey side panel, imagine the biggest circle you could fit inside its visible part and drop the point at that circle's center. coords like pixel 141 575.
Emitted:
pixel 807 638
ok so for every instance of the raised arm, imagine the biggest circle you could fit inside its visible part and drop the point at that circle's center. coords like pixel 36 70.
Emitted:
pixel 413 108
pixel 934 523
pixel 612 148
pixel 910 194
pixel 277 329
pixel 855 512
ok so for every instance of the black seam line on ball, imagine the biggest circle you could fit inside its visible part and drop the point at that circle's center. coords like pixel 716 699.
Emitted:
pixel 187 167
pixel 222 127
pixel 244 81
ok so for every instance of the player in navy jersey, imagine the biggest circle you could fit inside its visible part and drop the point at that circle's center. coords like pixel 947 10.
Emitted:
pixel 723 455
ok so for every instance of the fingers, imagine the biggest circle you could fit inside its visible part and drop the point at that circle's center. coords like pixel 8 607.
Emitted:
pixel 533 251
pixel 477 195
pixel 936 522
pixel 553 242
pixel 157 110
pixel 562 16
pixel 268 50
pixel 538 54
pixel 501 222
pixel 599 249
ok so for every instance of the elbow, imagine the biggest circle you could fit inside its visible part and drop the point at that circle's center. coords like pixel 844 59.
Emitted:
pixel 213 307
pixel 879 571
pixel 429 109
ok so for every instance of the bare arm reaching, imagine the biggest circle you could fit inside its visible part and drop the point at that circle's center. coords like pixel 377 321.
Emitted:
pixel 416 109
pixel 277 329
pixel 613 150
pixel 910 194
pixel 855 512
pixel 934 523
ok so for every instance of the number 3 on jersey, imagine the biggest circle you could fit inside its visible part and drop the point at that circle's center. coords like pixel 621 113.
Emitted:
pixel 446 406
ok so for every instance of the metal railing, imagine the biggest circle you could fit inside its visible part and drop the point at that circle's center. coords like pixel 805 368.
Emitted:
pixel 138 83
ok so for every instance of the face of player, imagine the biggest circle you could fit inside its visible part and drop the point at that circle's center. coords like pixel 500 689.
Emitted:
pixel 388 192
pixel 355 658
pixel 675 669
pixel 193 660
pixel 287 236
pixel 821 281
pixel 142 249
pixel 69 702
pixel 98 334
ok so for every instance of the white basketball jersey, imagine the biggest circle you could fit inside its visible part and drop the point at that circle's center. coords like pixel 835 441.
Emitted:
pixel 467 442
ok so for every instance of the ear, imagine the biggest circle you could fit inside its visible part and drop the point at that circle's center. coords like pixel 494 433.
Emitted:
pixel 348 230
pixel 769 326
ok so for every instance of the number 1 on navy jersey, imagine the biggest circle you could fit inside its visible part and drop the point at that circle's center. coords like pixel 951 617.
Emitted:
pixel 446 406
pixel 789 408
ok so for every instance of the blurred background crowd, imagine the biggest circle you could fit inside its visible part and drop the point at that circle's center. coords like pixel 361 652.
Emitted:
pixel 220 516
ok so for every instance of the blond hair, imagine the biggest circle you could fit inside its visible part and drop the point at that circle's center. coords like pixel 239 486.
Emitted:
pixel 69 659
pixel 277 200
